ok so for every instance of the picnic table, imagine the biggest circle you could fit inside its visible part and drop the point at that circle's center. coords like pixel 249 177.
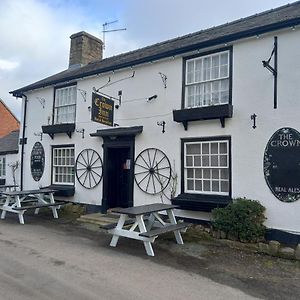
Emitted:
pixel 146 224
pixel 20 201
pixel 8 187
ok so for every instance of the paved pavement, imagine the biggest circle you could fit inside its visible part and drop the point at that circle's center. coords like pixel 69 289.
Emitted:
pixel 48 260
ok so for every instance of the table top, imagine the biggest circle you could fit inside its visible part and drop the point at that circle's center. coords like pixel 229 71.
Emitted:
pixel 8 186
pixel 28 192
pixel 144 209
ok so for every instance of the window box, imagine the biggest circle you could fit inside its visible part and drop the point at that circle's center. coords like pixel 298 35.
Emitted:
pixel 199 202
pixel 67 128
pixel 62 190
pixel 203 113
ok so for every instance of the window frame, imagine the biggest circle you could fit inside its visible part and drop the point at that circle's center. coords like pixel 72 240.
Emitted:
pixel 206 53
pixel 54 103
pixel 3 158
pixel 52 164
pixel 203 194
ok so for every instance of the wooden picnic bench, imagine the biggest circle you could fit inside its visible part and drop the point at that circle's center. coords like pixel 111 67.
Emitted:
pixel 147 231
pixel 14 202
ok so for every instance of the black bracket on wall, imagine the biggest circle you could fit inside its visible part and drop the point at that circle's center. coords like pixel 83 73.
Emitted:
pixel 253 118
pixel 273 70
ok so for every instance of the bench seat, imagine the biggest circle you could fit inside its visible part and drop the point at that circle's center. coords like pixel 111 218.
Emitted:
pixel 57 203
pixel 165 229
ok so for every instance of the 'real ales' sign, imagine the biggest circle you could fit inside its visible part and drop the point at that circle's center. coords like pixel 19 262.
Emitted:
pixel 102 110
pixel 282 164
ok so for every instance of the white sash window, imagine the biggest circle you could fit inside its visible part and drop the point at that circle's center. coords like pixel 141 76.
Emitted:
pixel 206 167
pixel 2 166
pixel 65 105
pixel 207 80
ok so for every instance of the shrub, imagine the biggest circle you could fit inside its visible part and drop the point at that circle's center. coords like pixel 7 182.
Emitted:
pixel 242 218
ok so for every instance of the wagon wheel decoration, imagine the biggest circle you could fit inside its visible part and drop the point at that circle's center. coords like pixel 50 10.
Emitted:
pixel 88 168
pixel 152 171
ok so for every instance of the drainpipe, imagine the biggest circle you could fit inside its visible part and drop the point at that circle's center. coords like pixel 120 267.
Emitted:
pixel 23 140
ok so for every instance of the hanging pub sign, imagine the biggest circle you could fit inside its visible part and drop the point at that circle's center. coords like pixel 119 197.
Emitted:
pixel 37 161
pixel 282 164
pixel 102 110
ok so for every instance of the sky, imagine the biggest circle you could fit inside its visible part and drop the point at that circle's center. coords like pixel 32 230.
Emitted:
pixel 34 34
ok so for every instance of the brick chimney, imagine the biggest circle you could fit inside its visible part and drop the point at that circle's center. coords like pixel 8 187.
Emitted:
pixel 84 49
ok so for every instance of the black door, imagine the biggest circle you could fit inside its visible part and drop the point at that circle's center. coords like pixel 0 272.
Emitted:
pixel 118 167
pixel 118 174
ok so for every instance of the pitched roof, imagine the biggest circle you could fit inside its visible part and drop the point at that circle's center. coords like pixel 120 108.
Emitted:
pixel 274 19
pixel 9 143
pixel 7 109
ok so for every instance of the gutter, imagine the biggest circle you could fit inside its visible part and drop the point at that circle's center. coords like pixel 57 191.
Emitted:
pixel 23 138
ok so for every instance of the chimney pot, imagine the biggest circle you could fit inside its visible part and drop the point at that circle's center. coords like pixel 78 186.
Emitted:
pixel 85 48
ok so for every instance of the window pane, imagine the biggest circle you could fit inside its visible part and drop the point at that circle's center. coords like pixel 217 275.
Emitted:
pixel 224 174
pixel 198 185
pixel 189 160
pixel 197 161
pixel 223 147
pixel 190 173
pixel 206 185
pixel 214 161
pixel 215 186
pixel 205 160
pixel 223 160
pixel 198 70
pixel 224 186
pixel 206 173
pixel 198 173
pixel 205 148
pixel 215 173
pixel 190 184
pixel 193 149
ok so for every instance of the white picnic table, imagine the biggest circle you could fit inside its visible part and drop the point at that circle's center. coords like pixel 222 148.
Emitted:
pixel 147 224
pixel 17 202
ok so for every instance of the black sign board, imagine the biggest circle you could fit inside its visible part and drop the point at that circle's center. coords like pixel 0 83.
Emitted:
pixel 37 161
pixel 102 110
pixel 282 164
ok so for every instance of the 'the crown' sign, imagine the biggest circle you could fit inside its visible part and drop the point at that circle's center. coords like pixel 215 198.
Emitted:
pixel 102 110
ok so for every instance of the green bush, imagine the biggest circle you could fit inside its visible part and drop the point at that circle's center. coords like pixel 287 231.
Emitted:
pixel 242 218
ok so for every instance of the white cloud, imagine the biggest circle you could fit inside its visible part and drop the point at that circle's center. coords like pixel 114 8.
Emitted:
pixel 8 65
pixel 34 34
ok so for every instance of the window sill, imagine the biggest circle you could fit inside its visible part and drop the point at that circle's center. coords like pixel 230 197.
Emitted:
pixel 203 113
pixel 200 202
pixel 62 190
pixel 67 128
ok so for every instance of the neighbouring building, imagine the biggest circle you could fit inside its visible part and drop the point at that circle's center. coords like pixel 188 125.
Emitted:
pixel 8 122
pixel 9 159
pixel 196 120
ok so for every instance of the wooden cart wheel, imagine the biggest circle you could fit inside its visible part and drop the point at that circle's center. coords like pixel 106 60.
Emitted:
pixel 152 171
pixel 88 168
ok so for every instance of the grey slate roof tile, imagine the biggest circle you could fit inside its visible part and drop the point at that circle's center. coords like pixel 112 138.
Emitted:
pixel 284 16
pixel 9 143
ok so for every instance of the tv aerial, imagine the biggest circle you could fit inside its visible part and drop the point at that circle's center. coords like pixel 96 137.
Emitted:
pixel 106 30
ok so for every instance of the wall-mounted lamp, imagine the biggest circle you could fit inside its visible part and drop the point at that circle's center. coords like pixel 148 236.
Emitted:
pixel 81 131
pixel 40 134
pixel 163 124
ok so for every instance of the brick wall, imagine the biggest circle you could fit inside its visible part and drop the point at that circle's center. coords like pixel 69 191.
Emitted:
pixel 8 121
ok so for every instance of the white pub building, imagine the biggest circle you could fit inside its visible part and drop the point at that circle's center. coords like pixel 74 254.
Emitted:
pixel 197 121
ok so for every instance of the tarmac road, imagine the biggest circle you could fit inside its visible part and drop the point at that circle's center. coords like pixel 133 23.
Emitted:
pixel 47 260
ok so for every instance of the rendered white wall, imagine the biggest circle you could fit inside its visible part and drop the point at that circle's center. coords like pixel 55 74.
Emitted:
pixel 252 93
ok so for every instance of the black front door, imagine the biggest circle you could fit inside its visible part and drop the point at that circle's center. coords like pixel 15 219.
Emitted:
pixel 117 175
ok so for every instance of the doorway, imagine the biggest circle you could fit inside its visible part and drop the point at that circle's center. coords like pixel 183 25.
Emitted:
pixel 118 174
